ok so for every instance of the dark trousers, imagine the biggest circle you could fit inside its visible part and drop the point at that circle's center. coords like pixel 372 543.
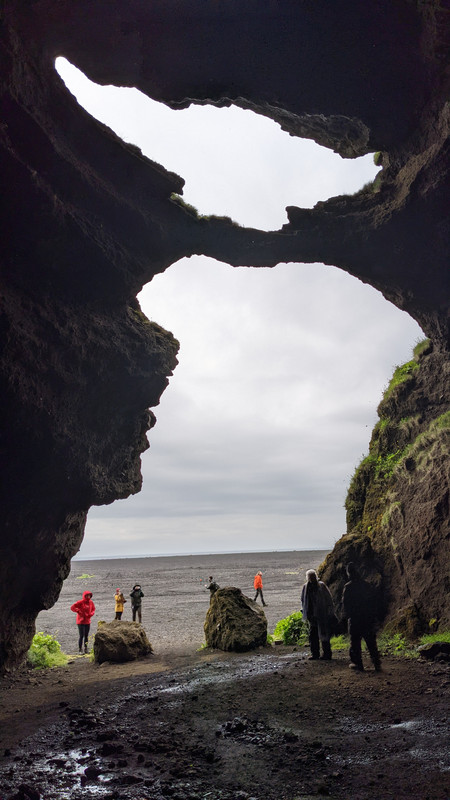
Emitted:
pixel 83 631
pixel 119 614
pixel 369 636
pixel 259 592
pixel 137 610
pixel 314 643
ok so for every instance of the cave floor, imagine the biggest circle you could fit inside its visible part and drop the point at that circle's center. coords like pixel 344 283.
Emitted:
pixel 269 725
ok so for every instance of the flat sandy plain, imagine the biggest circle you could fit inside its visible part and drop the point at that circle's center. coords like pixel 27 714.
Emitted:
pixel 175 596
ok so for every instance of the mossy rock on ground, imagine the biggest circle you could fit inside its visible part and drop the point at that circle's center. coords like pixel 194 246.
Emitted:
pixel 120 641
pixel 234 622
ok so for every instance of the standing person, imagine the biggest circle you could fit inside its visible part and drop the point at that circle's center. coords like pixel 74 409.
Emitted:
pixel 136 601
pixel 318 610
pixel 84 610
pixel 258 584
pixel 119 600
pixel 213 586
pixel 359 608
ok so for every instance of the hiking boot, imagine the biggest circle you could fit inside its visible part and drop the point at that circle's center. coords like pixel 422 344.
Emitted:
pixel 357 667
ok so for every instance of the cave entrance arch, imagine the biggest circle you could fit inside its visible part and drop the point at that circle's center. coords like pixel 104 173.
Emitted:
pixel 306 340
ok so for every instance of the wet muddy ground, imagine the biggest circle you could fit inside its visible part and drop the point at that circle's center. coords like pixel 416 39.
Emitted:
pixel 270 725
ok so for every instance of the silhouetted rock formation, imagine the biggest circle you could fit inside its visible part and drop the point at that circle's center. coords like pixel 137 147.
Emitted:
pixel 398 509
pixel 87 220
pixel 234 622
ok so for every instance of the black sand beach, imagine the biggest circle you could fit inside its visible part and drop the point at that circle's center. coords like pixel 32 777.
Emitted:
pixel 176 598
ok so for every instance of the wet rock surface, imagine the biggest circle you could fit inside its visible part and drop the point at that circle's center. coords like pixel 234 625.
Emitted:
pixel 263 726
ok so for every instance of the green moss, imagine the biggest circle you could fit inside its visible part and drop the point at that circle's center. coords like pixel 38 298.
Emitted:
pixel 381 425
pixel 291 629
pixel 385 465
pixel 403 373
pixel 421 347
pixel 431 638
pixel 443 422
pixel 45 652
pixel 395 644
pixel 340 642
pixel 187 206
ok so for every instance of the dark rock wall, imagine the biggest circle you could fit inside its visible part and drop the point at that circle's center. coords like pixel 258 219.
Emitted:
pixel 398 503
pixel 86 220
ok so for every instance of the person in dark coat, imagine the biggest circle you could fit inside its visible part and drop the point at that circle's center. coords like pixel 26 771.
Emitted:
pixel 318 610
pixel 136 601
pixel 212 586
pixel 359 608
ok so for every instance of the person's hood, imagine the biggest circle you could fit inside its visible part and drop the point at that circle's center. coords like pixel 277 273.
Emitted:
pixel 136 586
pixel 118 591
pixel 87 595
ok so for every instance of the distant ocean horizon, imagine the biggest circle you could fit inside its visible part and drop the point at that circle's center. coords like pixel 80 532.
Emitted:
pixel 199 553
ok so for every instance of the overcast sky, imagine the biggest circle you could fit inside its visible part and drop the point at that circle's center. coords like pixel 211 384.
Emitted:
pixel 280 370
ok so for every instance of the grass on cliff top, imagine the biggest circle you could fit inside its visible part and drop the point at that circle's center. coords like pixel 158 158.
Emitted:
pixel 194 212
pixel 401 374
pixel 404 372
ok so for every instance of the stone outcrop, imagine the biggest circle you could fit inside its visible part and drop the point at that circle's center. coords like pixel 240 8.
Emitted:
pixel 234 622
pixel 86 220
pixel 398 503
pixel 119 641
pixel 437 651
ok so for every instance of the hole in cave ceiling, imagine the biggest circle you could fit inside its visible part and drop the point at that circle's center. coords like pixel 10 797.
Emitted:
pixel 235 162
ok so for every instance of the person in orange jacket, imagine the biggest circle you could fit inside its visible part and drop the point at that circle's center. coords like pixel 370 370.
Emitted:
pixel 84 610
pixel 258 584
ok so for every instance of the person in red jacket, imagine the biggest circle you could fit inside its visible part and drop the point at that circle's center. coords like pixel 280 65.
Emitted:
pixel 257 583
pixel 84 610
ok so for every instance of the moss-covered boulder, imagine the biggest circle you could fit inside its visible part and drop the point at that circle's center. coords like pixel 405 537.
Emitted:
pixel 120 641
pixel 234 622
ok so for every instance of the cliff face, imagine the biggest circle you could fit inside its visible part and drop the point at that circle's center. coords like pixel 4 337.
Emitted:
pixel 398 509
pixel 86 221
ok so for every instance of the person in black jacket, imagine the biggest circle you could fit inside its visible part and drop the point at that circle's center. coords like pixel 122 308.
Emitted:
pixel 213 586
pixel 359 608
pixel 318 611
pixel 136 601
